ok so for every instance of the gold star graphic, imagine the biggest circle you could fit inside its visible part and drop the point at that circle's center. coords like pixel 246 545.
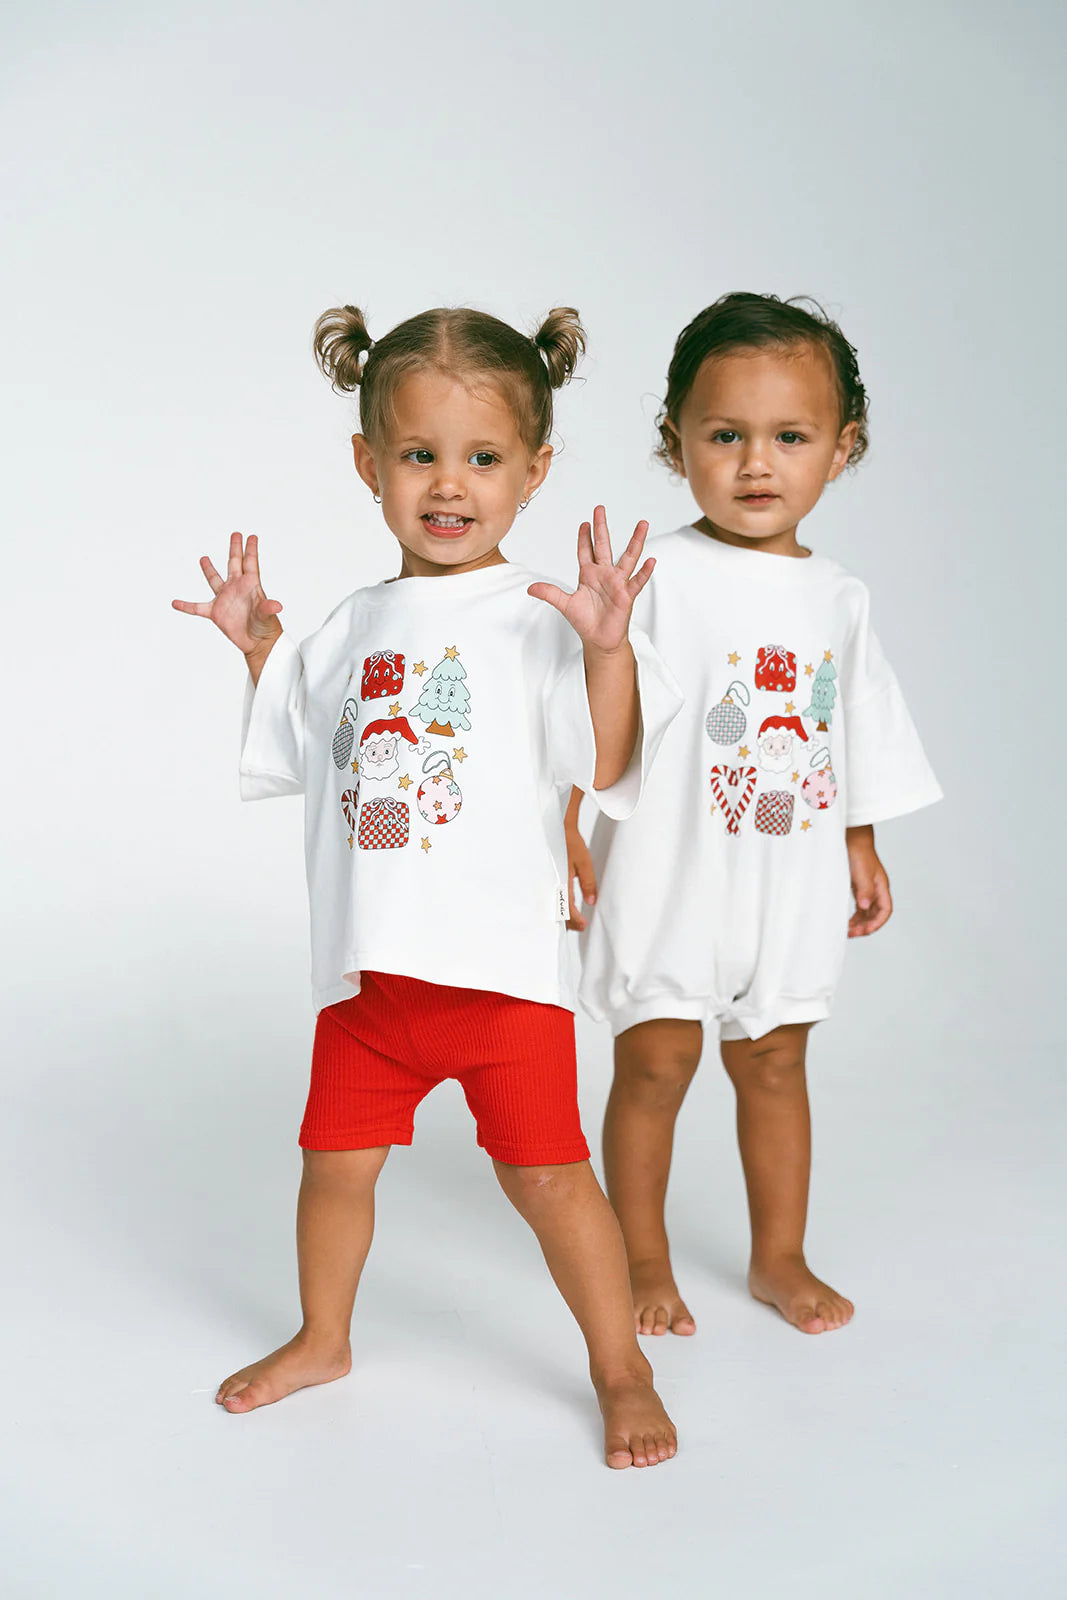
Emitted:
pixel 426 845
pixel 451 652
pixel 403 782
pixel 459 754
pixel 350 841
pixel 394 709
pixel 789 708
pixel 796 777
pixel 828 655
pixel 733 658
pixel 742 751
pixel 714 809
pixel 805 825
pixel 808 670
pixel 419 667
pixel 355 766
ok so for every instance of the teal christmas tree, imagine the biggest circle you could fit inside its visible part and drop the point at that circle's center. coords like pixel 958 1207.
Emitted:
pixel 823 695
pixel 445 698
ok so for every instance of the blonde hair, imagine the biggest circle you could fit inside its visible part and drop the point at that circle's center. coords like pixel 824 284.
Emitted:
pixel 454 340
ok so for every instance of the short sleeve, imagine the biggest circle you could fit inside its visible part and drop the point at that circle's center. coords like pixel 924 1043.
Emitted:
pixel 888 774
pixel 569 725
pixel 272 738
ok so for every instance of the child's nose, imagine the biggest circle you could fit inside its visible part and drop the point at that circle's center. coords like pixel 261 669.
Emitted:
pixel 449 483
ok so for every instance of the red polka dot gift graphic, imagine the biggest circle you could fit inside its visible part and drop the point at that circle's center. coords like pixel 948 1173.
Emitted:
pixel 776 669
pixel 383 675
pixel 439 797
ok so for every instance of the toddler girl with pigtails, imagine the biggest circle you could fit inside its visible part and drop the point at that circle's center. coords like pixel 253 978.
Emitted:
pixel 435 724
pixel 724 903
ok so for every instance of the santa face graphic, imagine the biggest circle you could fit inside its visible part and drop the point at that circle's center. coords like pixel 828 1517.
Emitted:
pixel 380 746
pixel 776 739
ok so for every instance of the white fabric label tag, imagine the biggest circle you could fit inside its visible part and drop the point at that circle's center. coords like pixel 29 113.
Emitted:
pixel 562 908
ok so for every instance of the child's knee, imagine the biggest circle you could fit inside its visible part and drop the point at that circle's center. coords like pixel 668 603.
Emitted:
pixel 355 1170
pixel 532 1189
pixel 655 1067
pixel 771 1066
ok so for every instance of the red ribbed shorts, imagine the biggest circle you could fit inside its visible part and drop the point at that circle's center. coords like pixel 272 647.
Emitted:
pixel 379 1054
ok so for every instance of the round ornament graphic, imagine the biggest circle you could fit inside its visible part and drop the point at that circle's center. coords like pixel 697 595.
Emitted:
pixel 344 738
pixel 820 786
pixel 439 797
pixel 726 722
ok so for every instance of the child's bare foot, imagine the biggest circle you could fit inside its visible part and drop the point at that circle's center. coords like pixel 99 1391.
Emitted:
pixel 298 1364
pixel 637 1430
pixel 657 1303
pixel 793 1289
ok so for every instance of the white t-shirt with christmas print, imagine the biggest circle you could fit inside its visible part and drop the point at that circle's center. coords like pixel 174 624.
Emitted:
pixel 435 726
pixel 726 896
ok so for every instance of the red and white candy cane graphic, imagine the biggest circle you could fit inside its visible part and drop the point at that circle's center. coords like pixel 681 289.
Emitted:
pixel 820 786
pixel 733 788
pixel 726 722
pixel 350 806
pixel 345 735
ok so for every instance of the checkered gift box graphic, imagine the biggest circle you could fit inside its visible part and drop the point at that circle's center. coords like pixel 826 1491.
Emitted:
pixel 383 825
pixel 774 812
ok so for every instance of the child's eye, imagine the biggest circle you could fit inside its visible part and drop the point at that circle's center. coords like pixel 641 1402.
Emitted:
pixel 483 458
pixel 791 438
pixel 725 436
pixel 421 458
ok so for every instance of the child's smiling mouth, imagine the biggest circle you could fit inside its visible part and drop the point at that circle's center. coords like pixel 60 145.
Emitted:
pixel 444 526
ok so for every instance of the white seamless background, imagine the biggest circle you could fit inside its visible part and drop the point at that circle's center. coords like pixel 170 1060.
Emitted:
pixel 185 189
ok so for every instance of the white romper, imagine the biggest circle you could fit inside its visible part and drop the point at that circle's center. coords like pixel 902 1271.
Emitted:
pixel 726 895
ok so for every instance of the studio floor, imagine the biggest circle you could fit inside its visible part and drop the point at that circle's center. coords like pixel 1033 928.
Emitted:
pixel 915 1454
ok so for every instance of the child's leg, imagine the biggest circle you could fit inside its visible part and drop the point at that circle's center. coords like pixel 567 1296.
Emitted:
pixel 580 1238
pixel 334 1226
pixel 654 1066
pixel 774 1132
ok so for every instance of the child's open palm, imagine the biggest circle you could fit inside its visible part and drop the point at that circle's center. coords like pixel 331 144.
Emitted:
pixel 239 607
pixel 599 609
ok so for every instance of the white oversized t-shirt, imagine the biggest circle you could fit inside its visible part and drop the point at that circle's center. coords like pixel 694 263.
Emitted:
pixel 434 726
pixel 727 894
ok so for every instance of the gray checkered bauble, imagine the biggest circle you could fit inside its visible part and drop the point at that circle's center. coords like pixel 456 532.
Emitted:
pixel 725 722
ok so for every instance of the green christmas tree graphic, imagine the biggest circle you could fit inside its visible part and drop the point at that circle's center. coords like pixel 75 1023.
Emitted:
pixel 823 696
pixel 445 698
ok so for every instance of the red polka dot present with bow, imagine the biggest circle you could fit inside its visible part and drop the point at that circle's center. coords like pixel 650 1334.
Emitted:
pixel 776 669
pixel 383 675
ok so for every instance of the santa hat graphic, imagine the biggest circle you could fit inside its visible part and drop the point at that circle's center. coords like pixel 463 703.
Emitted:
pixel 400 725
pixel 782 725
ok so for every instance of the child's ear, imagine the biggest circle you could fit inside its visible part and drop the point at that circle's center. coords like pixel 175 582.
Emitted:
pixel 538 472
pixel 673 444
pixel 842 450
pixel 363 456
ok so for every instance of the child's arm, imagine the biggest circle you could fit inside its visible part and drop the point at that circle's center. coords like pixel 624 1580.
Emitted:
pixel 870 884
pixel 579 863
pixel 239 607
pixel 599 612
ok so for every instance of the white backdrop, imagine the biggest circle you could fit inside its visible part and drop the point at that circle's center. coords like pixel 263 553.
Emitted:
pixel 185 189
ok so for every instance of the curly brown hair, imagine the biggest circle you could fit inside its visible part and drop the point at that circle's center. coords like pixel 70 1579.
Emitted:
pixel 756 321
pixel 456 340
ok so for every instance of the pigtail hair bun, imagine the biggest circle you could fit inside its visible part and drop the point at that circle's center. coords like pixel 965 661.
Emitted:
pixel 340 342
pixel 561 342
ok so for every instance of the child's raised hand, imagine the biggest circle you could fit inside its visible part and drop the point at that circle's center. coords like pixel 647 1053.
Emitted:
pixel 599 609
pixel 240 607
pixel 870 885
